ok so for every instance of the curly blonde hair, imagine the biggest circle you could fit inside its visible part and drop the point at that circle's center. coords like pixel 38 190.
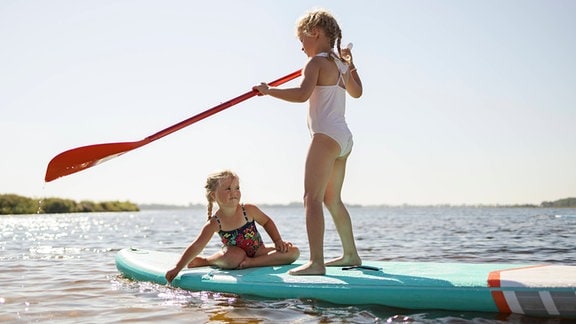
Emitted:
pixel 212 183
pixel 320 18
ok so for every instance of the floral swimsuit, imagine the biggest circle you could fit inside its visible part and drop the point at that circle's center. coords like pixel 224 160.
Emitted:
pixel 246 237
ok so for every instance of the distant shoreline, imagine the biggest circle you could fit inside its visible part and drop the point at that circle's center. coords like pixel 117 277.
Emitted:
pixel 560 203
pixel 11 204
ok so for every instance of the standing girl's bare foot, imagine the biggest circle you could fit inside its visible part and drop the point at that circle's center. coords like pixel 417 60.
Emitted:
pixel 309 269
pixel 344 261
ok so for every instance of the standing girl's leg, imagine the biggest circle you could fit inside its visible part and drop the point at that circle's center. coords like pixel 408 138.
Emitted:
pixel 319 163
pixel 340 215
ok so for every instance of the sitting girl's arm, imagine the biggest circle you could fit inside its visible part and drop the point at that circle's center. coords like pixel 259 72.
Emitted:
pixel 270 227
pixel 193 249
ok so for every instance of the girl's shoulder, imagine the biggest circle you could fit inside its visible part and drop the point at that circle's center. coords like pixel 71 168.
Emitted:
pixel 250 208
pixel 213 223
pixel 316 61
pixel 255 213
pixel 323 63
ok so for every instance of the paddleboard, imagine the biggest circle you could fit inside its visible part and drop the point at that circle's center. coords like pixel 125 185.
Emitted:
pixel 529 289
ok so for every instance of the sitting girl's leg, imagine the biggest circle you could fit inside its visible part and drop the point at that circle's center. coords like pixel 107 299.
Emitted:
pixel 268 256
pixel 230 258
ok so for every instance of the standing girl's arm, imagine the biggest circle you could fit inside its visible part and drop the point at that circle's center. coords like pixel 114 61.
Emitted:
pixel 310 74
pixel 193 249
pixel 353 83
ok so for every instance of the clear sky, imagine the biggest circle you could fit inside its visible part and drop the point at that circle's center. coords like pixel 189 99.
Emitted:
pixel 465 102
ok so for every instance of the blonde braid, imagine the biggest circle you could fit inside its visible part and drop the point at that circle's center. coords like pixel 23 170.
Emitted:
pixel 210 205
pixel 212 184
pixel 339 47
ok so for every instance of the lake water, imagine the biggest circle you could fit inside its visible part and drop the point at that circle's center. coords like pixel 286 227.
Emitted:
pixel 60 268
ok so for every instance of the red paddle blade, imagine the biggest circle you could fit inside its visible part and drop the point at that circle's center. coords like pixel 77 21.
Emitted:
pixel 80 158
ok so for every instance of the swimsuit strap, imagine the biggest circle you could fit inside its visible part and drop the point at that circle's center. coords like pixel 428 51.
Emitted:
pixel 218 220
pixel 339 64
pixel 244 212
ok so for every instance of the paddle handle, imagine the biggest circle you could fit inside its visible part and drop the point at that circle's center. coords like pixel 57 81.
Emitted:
pixel 219 108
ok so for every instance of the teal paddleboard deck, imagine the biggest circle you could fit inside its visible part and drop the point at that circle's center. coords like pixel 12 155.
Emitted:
pixel 530 289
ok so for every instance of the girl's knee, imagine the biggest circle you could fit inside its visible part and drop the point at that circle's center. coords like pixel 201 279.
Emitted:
pixel 333 203
pixel 312 200
pixel 232 258
pixel 294 253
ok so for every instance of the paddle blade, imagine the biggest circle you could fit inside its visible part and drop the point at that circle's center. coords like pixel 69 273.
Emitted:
pixel 84 157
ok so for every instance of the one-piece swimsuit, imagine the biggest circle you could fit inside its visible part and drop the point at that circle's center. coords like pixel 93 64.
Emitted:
pixel 246 237
pixel 326 113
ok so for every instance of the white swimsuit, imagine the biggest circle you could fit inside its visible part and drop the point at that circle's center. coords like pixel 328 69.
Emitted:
pixel 326 113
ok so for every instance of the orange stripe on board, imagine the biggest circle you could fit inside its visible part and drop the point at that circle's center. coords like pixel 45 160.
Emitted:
pixel 498 295
pixel 501 302
pixel 494 279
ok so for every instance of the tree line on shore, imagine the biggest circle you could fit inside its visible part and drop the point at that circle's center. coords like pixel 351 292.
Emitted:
pixel 11 204
pixel 561 203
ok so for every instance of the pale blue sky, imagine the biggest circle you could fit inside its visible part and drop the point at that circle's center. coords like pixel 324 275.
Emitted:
pixel 465 102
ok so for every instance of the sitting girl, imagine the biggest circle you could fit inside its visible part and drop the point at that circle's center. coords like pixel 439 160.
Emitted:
pixel 235 223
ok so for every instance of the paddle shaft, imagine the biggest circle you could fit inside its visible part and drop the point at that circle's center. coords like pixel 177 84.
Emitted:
pixel 219 108
pixel 84 157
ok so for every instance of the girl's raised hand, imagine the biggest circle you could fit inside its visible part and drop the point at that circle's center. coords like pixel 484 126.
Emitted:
pixel 347 53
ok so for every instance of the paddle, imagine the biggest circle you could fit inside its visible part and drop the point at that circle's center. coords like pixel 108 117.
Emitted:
pixel 84 157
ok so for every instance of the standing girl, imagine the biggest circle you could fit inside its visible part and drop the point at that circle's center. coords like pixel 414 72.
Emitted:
pixel 327 77
pixel 235 223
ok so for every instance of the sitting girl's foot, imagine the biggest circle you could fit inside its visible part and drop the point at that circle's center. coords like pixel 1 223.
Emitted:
pixel 198 262
pixel 245 264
